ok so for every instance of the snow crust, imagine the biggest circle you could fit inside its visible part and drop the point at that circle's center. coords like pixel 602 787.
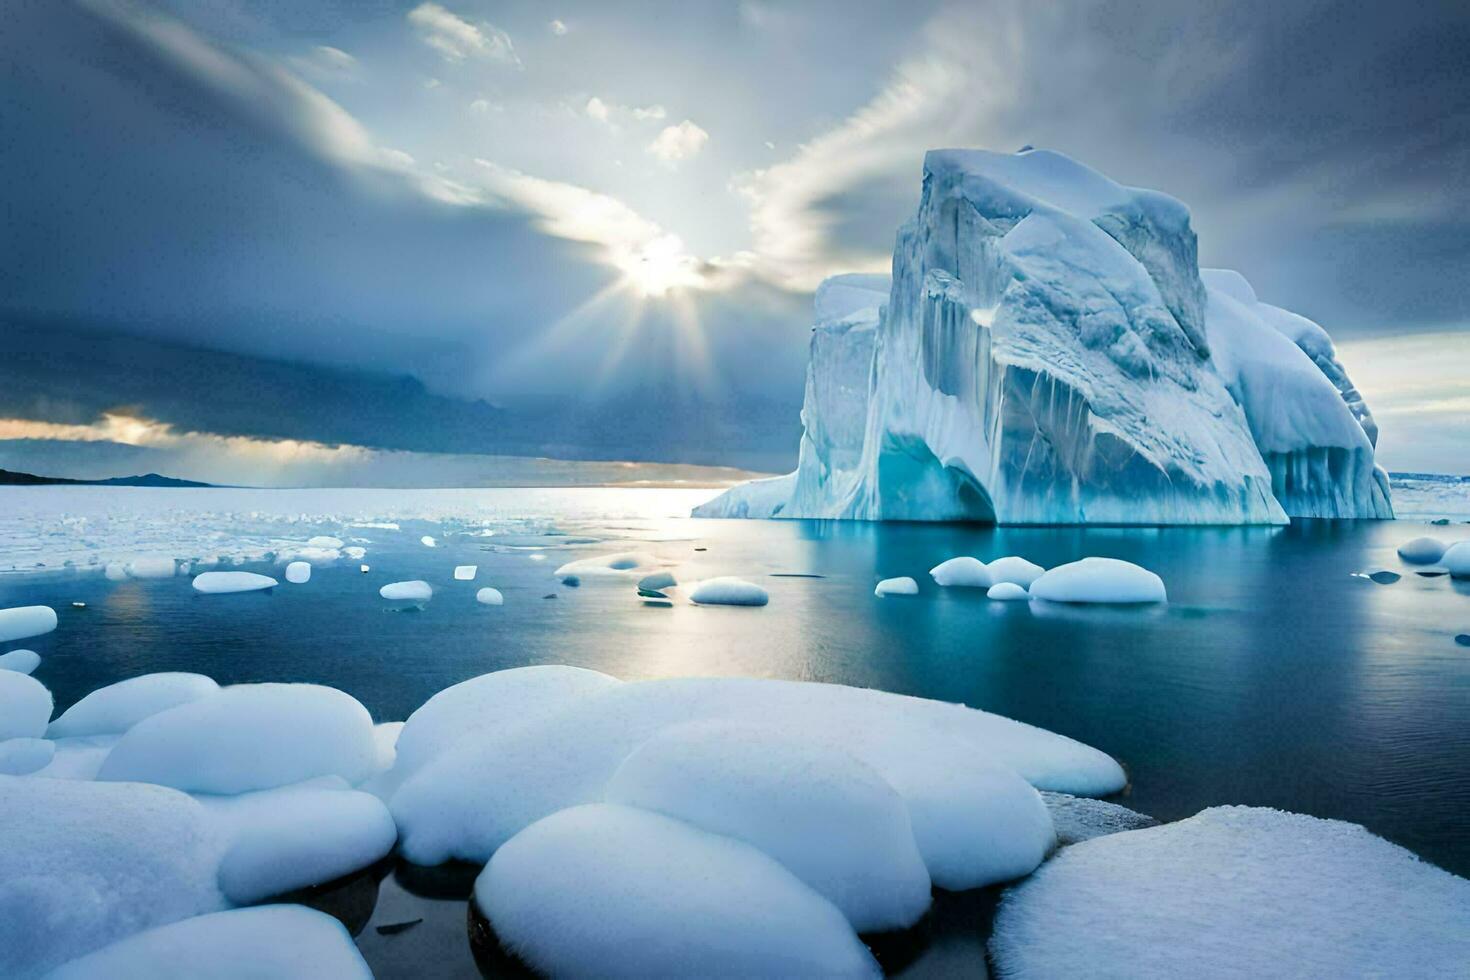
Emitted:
pixel 20 661
pixel 114 709
pixel 490 597
pixel 613 891
pixel 726 590
pixel 1235 892
pixel 896 586
pixel 24 622
pixel 1105 580
pixel 962 571
pixel 25 706
pixel 298 572
pixel 1007 592
pixel 1422 551
pixel 218 583
pixel 416 590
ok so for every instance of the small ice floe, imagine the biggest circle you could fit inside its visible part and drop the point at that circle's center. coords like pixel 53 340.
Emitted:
pixel 657 581
pixel 298 572
pixel 79 605
pixel 325 541
pixel 489 597
pixel 316 556
pixel 1015 570
pixel 615 891
pixel 364 568
pixel 538 556
pixel 1456 559
pixel 355 552
pixel 466 573
pixel 623 563
pixel 285 942
pixel 962 571
pixel 428 541
pixel 221 583
pixel 114 709
pixel 1101 580
pixel 726 590
pixel 1008 592
pixel 896 586
pixel 1235 892
pixel 23 756
pixel 25 706
pixel 151 566
pixel 20 661
pixel 416 590
pixel 24 622
pixel 1422 551
pixel 115 571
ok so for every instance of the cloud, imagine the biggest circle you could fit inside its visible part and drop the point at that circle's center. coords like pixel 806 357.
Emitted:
pixel 609 113
pixel 1414 385
pixel 557 27
pixel 678 143
pixel 456 39
pixel 597 109
pixel 649 112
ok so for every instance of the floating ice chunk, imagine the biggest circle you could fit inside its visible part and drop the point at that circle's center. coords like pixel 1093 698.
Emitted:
pixel 325 541
pixel 25 706
pixel 294 837
pixel 79 757
pixel 657 581
pixel 115 571
pixel 1456 559
pixel 298 572
pixel 220 583
pixel 23 756
pixel 1099 580
pixel 537 557
pixel 1008 592
pixel 20 661
pixel 727 590
pixel 283 942
pixel 490 597
pixel 414 591
pixel 151 566
pixel 897 586
pixel 784 796
pixel 355 552
pixel 365 569
pixel 961 571
pixel 113 709
pixel 311 555
pixel 1236 892
pixel 465 573
pixel 1422 551
pixel 24 622
pixel 84 864
pixel 613 891
pixel 248 737
pixel 1014 569
pixel 428 541
pixel 621 563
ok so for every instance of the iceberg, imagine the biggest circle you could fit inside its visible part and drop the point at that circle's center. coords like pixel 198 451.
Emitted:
pixel 896 586
pixel 1049 352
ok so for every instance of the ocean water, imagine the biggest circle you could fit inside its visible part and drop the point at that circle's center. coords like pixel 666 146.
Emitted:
pixel 1277 675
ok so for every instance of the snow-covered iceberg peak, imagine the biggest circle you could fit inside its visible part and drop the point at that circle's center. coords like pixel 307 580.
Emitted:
pixel 1043 355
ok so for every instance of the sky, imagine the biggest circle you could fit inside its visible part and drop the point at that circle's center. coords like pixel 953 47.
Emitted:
pixel 592 231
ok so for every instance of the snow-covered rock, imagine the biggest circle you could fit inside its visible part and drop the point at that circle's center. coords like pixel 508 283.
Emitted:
pixel 1099 580
pixel 490 597
pixel 1235 892
pixel 726 590
pixel 23 756
pixel 1044 355
pixel 416 590
pixel 1007 592
pixel 785 797
pixel 220 583
pixel 465 573
pixel 1014 569
pixel 113 709
pixel 24 622
pixel 1422 551
pixel 20 661
pixel 248 737
pixel 84 864
pixel 25 706
pixel 961 571
pixel 612 891
pixel 298 572
pixel 1456 559
pixel 896 586
pixel 282 942
pixel 623 563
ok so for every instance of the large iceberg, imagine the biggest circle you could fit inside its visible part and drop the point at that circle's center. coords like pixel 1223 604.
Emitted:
pixel 1048 352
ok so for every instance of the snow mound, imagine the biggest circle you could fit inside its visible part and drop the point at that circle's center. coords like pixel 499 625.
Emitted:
pixel 151 566
pixel 490 597
pixel 657 581
pixel 298 572
pixel 612 891
pixel 24 622
pixel 85 864
pixel 784 797
pixel 726 590
pixel 896 586
pixel 1456 559
pixel 1007 592
pixel 79 757
pixel 113 709
pixel 25 706
pixel 20 661
pixel 961 571
pixel 623 563
pixel 282 942
pixel 325 541
pixel 248 737
pixel 1422 551
pixel 23 756
pixel 1016 570
pixel 416 590
pixel 1099 580
pixel 1236 892
pixel 219 583
pixel 465 573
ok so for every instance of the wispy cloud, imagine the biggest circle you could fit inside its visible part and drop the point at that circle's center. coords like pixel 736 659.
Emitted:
pixel 457 39
pixel 677 143
pixel 129 430
pixel 557 27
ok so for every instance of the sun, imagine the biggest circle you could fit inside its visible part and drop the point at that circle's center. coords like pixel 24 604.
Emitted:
pixel 660 266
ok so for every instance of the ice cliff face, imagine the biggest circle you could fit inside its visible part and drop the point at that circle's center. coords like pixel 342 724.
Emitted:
pixel 1043 355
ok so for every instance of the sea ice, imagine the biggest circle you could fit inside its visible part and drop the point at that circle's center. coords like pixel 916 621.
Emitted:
pixel 414 591
pixel 428 541
pixel 784 796
pixel 612 891
pixel 727 590
pixel 1007 592
pixel 355 552
pixel 1014 569
pixel 151 566
pixel 25 706
pixel 23 756
pixel 465 573
pixel 248 737
pixel 325 541
pixel 896 586
pixel 20 661
pixel 114 709
pixel 1422 551
pixel 311 555
pixel 218 583
pixel 298 572
pixel 24 622
pixel 1099 580
pixel 280 942
pixel 1456 559
pixel 115 571
pixel 490 597
pixel 1235 892
pixel 961 571
pixel 623 563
